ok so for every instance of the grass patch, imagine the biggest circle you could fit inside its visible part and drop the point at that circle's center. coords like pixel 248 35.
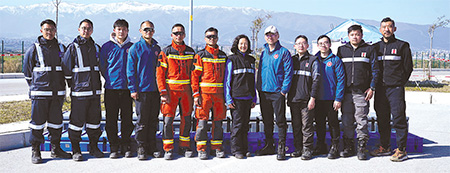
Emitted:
pixel 429 86
pixel 21 110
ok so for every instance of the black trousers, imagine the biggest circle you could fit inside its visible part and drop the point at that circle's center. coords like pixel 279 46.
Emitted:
pixel 323 111
pixel 147 110
pixel 271 103
pixel 302 125
pixel 46 110
pixel 115 101
pixel 391 100
pixel 85 111
pixel 239 130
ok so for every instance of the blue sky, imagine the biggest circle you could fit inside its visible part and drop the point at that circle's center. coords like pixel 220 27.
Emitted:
pixel 410 11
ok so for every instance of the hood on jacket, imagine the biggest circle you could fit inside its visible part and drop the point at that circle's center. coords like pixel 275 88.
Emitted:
pixel 113 38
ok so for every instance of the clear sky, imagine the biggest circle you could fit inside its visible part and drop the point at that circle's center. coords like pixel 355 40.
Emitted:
pixel 410 11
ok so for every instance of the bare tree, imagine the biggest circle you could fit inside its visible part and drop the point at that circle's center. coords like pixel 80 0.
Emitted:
pixel 257 25
pixel 56 4
pixel 440 22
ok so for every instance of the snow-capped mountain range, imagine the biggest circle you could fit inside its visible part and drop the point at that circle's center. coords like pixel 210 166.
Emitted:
pixel 22 23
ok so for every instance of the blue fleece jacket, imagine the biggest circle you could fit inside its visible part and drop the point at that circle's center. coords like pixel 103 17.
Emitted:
pixel 141 66
pixel 113 63
pixel 332 78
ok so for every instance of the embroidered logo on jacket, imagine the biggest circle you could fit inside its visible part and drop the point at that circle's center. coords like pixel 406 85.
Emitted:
pixel 329 64
pixel 307 64
pixel 394 51
pixel 275 56
pixel 363 54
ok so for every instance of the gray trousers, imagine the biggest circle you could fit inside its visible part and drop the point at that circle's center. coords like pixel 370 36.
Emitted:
pixel 355 108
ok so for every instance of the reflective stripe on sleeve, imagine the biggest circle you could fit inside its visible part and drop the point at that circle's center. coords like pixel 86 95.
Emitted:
pixel 74 127
pixel 203 84
pixel 244 70
pixel 390 58
pixel 356 59
pixel 302 72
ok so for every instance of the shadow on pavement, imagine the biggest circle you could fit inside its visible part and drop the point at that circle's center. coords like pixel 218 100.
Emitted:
pixel 431 152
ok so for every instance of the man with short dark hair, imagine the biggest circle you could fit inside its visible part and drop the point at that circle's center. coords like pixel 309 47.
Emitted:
pixel 42 70
pixel 141 74
pixel 301 98
pixel 361 70
pixel 80 67
pixel 113 59
pixel 329 99
pixel 273 83
pixel 207 86
pixel 395 60
pixel 173 76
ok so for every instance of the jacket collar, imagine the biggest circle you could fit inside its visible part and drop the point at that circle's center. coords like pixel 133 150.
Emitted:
pixel 212 50
pixel 81 40
pixel 306 55
pixel 179 48
pixel 330 55
pixel 390 39
pixel 42 40
pixel 361 44
pixel 113 38
pixel 154 42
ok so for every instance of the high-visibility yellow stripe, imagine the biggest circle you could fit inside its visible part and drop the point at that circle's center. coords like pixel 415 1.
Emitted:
pixel 182 138
pixel 211 60
pixel 202 84
pixel 170 81
pixel 163 65
pixel 181 57
pixel 168 141
pixel 201 142
pixel 216 142
pixel 198 68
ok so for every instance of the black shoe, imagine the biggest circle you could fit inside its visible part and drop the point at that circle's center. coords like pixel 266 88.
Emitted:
pixel 187 152
pixel 239 156
pixel 203 155
pixel 296 153
pixel 320 149
pixel 94 151
pixel 307 154
pixel 126 151
pixel 77 156
pixel 141 153
pixel 362 150
pixel 36 154
pixel 268 149
pixel 168 155
pixel 157 154
pixel 248 154
pixel 114 155
pixel 349 148
pixel 57 152
pixel 334 151
pixel 220 153
pixel 281 153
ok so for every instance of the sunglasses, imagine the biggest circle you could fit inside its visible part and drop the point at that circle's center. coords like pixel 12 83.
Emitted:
pixel 211 36
pixel 178 33
pixel 148 30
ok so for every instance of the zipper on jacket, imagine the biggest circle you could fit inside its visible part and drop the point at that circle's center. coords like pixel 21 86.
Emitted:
pixel 384 64
pixel 353 65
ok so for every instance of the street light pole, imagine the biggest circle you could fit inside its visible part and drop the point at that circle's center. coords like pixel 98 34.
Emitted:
pixel 191 22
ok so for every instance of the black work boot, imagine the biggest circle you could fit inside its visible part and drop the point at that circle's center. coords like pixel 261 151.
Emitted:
pixel 141 153
pixel 36 154
pixel 362 150
pixel 334 151
pixel 186 151
pixel 321 148
pixel 76 152
pixel 296 153
pixel 307 154
pixel 268 149
pixel 57 152
pixel 114 151
pixel 281 153
pixel 126 151
pixel 349 148
pixel 94 151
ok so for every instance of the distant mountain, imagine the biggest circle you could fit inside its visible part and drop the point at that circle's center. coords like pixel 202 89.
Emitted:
pixel 22 23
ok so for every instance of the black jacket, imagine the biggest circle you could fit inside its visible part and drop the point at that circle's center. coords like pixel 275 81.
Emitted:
pixel 82 73
pixel 305 79
pixel 361 66
pixel 44 76
pixel 243 75
pixel 395 62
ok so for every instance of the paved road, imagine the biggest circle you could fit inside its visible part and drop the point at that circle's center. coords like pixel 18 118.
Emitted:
pixel 13 87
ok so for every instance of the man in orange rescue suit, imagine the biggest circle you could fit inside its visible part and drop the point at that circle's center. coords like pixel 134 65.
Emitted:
pixel 173 78
pixel 207 85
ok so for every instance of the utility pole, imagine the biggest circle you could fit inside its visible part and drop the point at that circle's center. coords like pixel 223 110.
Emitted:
pixel 441 22
pixel 191 22
pixel 56 4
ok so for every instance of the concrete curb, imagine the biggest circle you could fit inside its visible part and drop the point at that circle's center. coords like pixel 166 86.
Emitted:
pixel 11 75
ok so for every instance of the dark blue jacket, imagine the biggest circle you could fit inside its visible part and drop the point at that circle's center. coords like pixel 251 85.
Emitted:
pixel 141 66
pixel 81 68
pixel 275 70
pixel 332 78
pixel 44 76
pixel 113 63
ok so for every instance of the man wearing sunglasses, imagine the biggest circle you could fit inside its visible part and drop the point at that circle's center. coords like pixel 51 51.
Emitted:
pixel 273 83
pixel 173 77
pixel 207 86
pixel 141 74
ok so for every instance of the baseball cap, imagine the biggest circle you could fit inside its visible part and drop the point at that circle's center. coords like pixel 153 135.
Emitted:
pixel 271 29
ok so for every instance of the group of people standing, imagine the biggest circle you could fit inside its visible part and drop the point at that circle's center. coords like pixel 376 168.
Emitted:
pixel 315 87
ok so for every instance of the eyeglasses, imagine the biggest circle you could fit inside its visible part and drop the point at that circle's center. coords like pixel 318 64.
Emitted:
pixel 211 36
pixel 49 29
pixel 86 28
pixel 178 33
pixel 323 44
pixel 303 44
pixel 148 30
